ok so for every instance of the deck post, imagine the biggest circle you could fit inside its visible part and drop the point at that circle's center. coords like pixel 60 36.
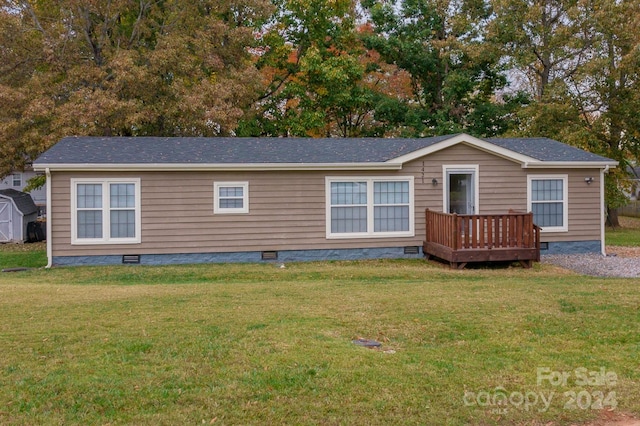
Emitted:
pixel 456 232
pixel 536 231
pixel 427 224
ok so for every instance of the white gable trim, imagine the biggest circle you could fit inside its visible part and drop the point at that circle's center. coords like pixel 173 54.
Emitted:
pixel 524 160
pixel 471 141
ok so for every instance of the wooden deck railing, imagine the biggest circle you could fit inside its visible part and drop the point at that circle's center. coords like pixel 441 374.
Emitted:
pixel 510 231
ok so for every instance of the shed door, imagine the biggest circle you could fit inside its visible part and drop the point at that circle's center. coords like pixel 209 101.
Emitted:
pixel 6 233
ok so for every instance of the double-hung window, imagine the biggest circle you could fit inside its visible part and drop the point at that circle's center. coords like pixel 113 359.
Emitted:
pixel 548 200
pixel 105 211
pixel 230 197
pixel 369 207
pixel 348 207
pixel 16 180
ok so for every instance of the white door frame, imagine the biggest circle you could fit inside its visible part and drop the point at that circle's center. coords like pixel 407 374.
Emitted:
pixel 471 169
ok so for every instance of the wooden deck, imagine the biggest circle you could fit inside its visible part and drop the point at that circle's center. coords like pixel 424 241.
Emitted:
pixel 460 239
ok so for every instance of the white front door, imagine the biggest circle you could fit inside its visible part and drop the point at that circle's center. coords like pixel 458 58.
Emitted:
pixel 6 225
pixel 461 191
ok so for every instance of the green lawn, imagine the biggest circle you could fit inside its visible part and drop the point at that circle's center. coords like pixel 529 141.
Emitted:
pixel 23 255
pixel 627 235
pixel 258 344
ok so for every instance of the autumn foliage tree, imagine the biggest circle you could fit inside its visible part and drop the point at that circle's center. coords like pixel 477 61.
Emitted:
pixel 455 73
pixel 312 65
pixel 566 69
pixel 582 63
pixel 123 67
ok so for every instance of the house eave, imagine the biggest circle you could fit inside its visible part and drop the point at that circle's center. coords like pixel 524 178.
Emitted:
pixel 217 167
pixel 570 165
pixel 395 164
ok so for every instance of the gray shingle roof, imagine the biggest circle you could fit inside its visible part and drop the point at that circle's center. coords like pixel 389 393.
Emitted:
pixel 23 201
pixel 163 150
pixel 545 149
pixel 155 150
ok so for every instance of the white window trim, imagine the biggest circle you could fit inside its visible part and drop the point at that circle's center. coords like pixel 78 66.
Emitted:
pixel 216 198
pixel 565 200
pixel 106 221
pixel 461 168
pixel 19 179
pixel 370 207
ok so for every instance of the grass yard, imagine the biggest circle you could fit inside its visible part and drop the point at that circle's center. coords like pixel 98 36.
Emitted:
pixel 257 344
pixel 628 234
pixel 23 255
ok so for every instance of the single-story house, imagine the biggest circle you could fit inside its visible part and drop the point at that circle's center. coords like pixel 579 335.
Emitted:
pixel 157 200
pixel 17 210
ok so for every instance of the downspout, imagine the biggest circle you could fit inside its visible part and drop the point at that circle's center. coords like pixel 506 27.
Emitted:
pixel 603 212
pixel 49 222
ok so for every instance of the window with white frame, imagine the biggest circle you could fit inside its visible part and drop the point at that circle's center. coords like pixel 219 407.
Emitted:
pixel 369 207
pixel 548 200
pixel 16 180
pixel 105 211
pixel 230 197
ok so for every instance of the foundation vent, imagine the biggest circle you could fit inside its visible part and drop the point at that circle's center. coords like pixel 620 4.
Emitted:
pixel 412 250
pixel 131 258
pixel 269 255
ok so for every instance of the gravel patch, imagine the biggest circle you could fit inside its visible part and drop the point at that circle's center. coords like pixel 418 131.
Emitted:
pixel 597 265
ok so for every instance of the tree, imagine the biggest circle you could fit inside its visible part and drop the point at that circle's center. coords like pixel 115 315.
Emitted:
pixel 314 65
pixel 123 67
pixel 607 91
pixel 543 40
pixel 455 74
pixel 583 61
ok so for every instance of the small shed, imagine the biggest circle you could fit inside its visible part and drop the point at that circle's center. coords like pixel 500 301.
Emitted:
pixel 17 210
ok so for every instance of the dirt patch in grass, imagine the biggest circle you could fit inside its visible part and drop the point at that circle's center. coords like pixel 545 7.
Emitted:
pixel 613 418
pixel 624 251
pixel 629 222
pixel 21 248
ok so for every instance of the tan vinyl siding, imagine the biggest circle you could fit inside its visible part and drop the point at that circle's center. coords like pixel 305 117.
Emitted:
pixel 494 172
pixel 286 212
pixel 287 209
pixel 503 186
pixel 585 214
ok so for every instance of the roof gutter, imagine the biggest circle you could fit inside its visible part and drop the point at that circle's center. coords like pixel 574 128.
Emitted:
pixel 239 167
pixel 570 165
pixel 219 167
